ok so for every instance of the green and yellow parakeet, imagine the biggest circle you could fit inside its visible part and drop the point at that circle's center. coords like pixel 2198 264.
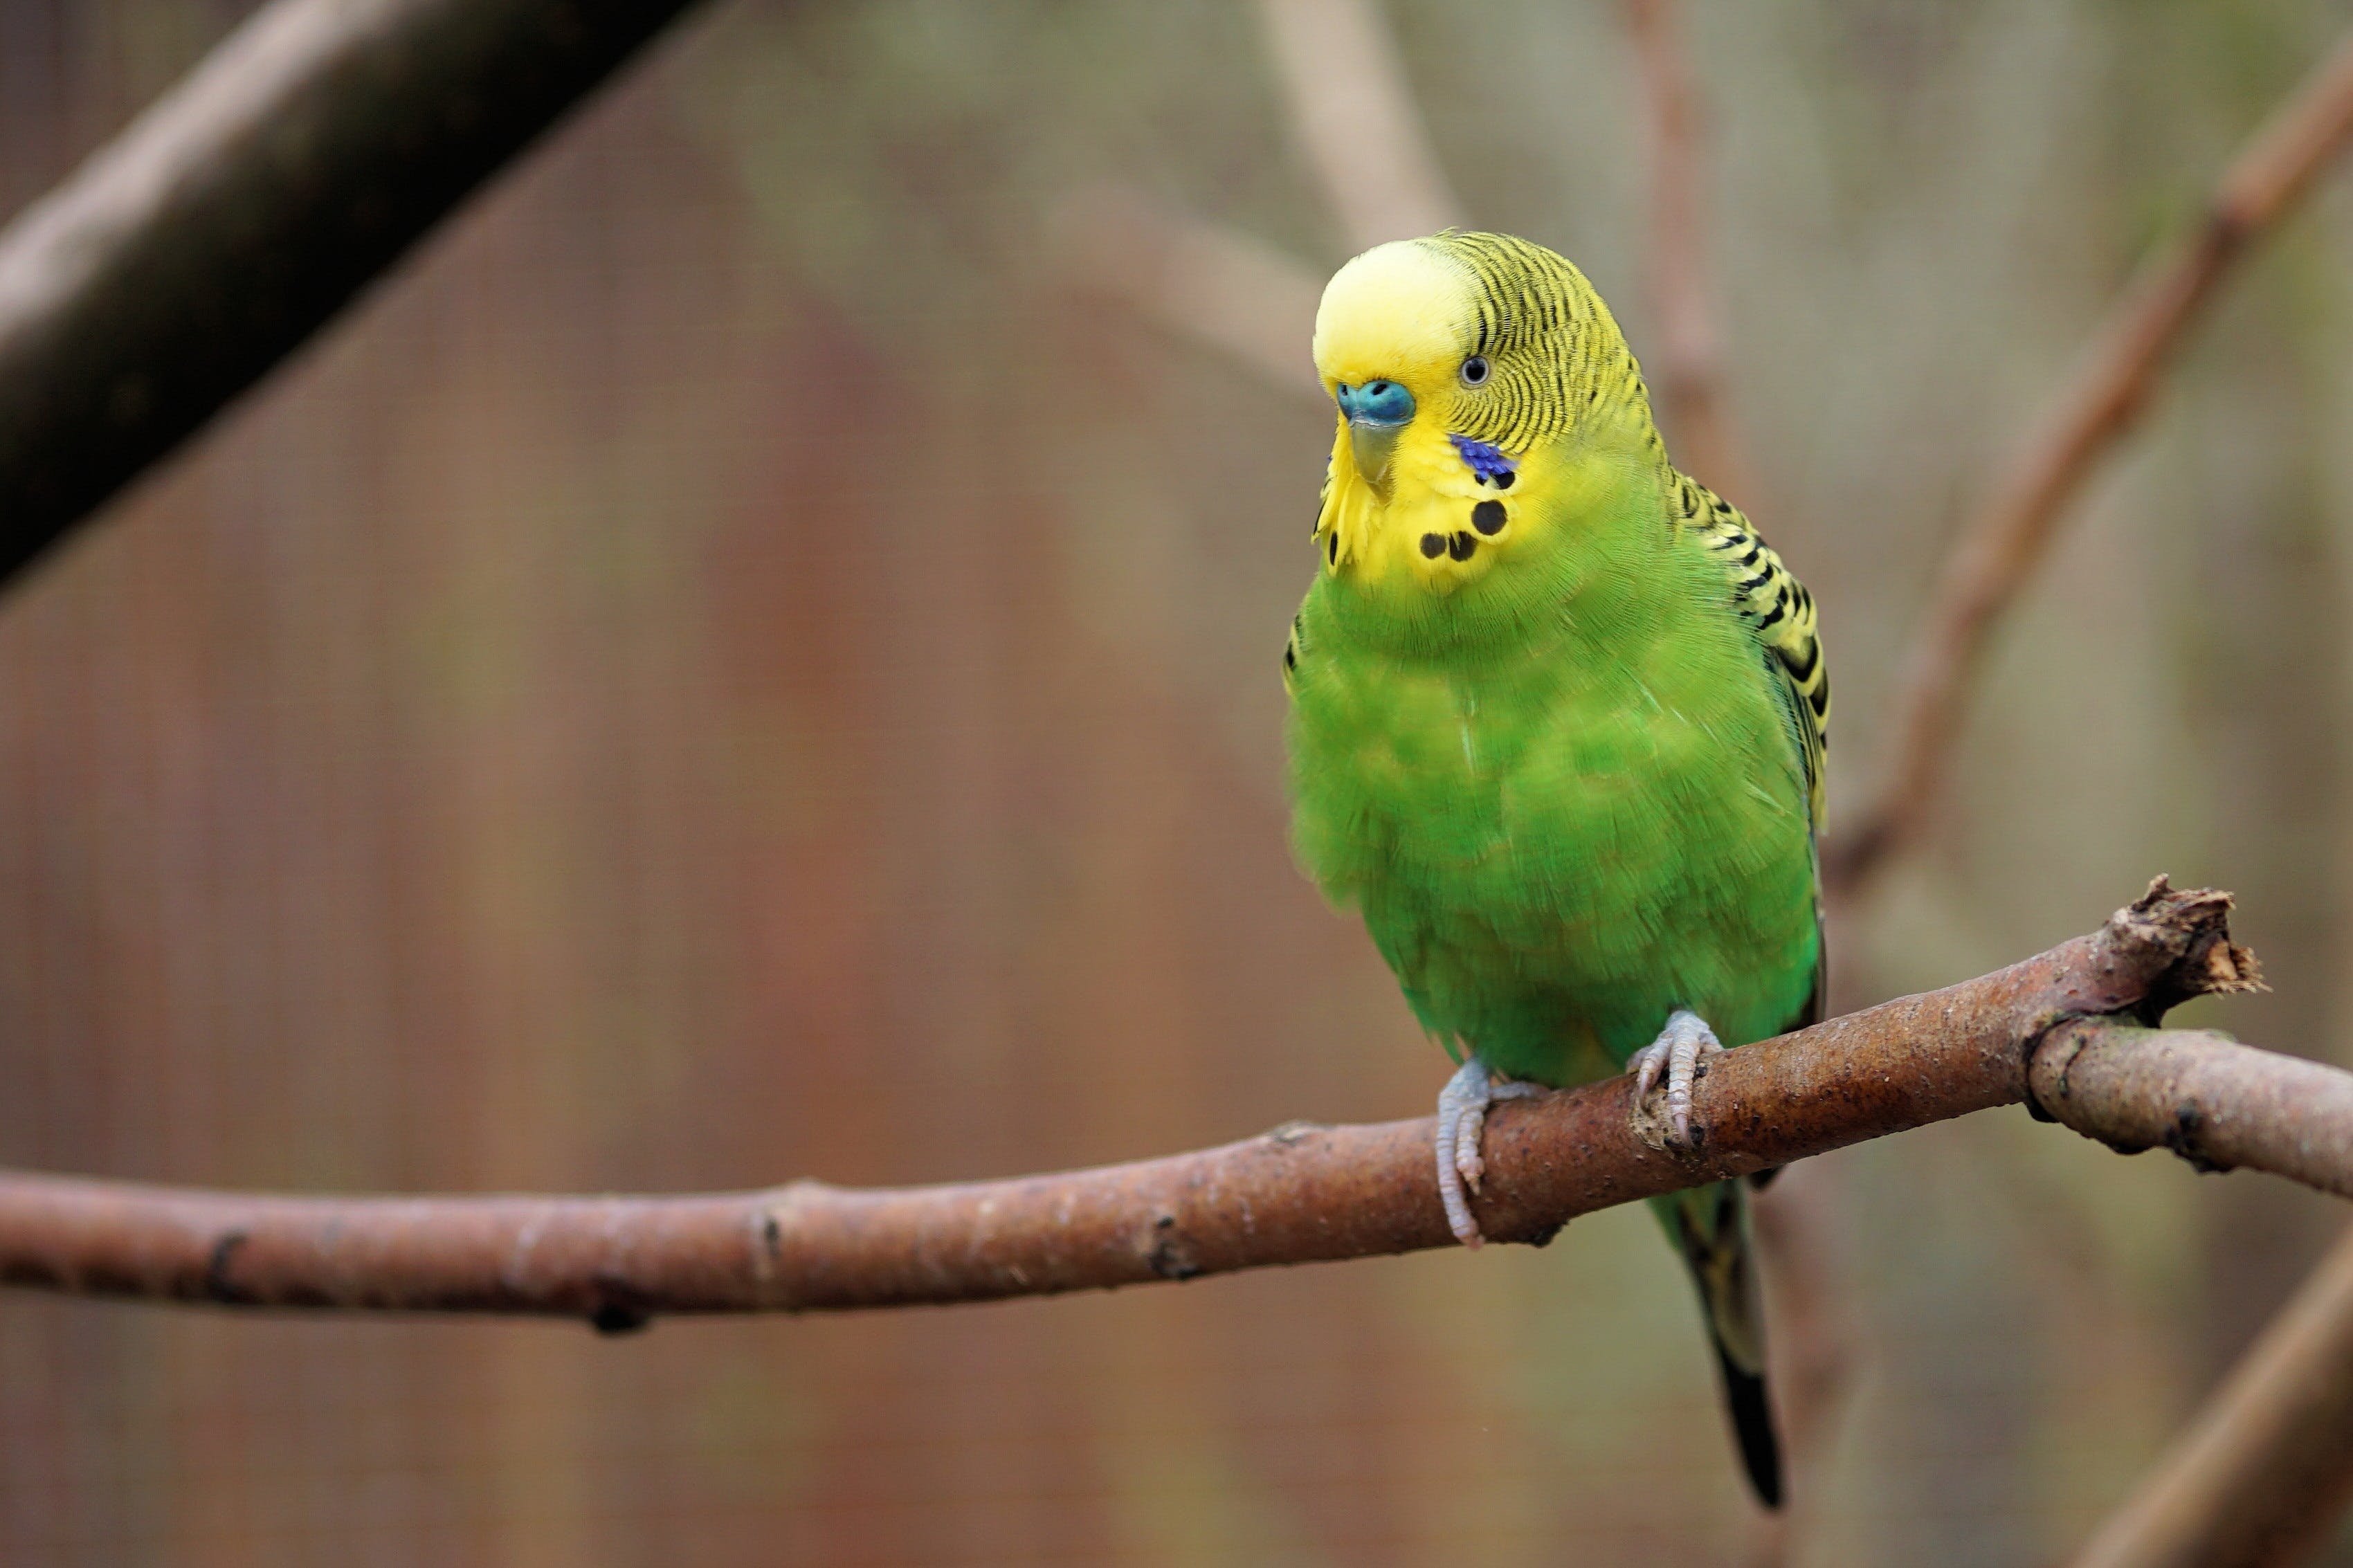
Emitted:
pixel 1557 725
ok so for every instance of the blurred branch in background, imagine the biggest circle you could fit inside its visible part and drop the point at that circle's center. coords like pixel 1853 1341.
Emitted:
pixel 2266 1467
pixel 1297 1194
pixel 1356 121
pixel 1217 285
pixel 1687 363
pixel 1344 87
pixel 241 211
pixel 2002 544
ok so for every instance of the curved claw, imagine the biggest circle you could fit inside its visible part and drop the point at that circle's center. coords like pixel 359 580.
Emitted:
pixel 1676 1053
pixel 1646 1066
pixel 1467 1163
pixel 1462 1118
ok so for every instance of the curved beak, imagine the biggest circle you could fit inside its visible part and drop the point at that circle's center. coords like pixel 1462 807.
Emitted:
pixel 1377 412
pixel 1373 446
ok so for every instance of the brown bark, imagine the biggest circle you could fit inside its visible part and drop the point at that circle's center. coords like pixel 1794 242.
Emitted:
pixel 2219 1105
pixel 2267 1465
pixel 1298 1194
pixel 2003 543
pixel 293 166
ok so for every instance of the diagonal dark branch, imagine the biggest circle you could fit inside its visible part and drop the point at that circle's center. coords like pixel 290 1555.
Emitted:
pixel 239 213
pixel 1298 1194
pixel 2000 546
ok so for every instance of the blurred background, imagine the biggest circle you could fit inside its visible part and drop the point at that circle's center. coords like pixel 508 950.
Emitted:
pixel 752 655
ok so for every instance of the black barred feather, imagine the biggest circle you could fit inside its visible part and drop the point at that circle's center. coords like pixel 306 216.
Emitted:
pixel 1556 352
pixel 1780 611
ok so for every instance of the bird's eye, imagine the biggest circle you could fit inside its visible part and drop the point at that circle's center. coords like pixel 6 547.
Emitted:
pixel 1474 371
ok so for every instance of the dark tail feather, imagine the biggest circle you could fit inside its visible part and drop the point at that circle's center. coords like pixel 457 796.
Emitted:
pixel 1752 1423
pixel 1710 1225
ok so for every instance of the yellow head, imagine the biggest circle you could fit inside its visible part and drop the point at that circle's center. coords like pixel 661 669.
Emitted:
pixel 1468 369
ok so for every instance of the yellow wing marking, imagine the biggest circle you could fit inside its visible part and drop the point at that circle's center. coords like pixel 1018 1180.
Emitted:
pixel 1779 610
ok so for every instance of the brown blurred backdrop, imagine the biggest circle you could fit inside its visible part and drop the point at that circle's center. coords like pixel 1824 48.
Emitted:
pixel 741 660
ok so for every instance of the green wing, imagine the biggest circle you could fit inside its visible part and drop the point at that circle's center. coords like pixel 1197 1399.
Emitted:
pixel 1780 613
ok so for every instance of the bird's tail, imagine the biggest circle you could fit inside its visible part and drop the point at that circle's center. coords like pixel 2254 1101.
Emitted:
pixel 1710 1228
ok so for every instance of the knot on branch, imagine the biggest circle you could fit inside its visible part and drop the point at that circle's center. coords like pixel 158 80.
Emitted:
pixel 219 1287
pixel 2164 1112
pixel 2158 951
pixel 620 1309
pixel 1170 1253
pixel 2180 940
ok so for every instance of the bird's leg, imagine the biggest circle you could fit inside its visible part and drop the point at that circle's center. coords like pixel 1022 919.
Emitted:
pixel 1462 1117
pixel 1676 1052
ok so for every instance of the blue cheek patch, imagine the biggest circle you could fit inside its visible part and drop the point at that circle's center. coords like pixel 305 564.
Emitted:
pixel 1487 463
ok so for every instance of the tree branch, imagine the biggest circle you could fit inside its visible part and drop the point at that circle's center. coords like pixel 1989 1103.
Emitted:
pixel 2004 542
pixel 297 162
pixel 2266 1467
pixel 1354 114
pixel 1298 1194
pixel 1227 290
pixel 1688 369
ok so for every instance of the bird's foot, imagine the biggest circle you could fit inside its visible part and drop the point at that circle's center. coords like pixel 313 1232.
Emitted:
pixel 1676 1054
pixel 1462 1117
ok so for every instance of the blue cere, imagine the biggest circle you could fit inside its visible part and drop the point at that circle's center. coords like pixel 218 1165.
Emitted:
pixel 1375 403
pixel 1487 462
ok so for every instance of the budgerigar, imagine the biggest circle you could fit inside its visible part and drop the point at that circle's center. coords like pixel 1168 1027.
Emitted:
pixel 1557 725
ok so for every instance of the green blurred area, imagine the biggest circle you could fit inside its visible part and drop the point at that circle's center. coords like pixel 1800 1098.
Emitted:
pixel 744 660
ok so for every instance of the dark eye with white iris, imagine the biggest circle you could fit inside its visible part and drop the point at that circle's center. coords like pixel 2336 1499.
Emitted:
pixel 1474 371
